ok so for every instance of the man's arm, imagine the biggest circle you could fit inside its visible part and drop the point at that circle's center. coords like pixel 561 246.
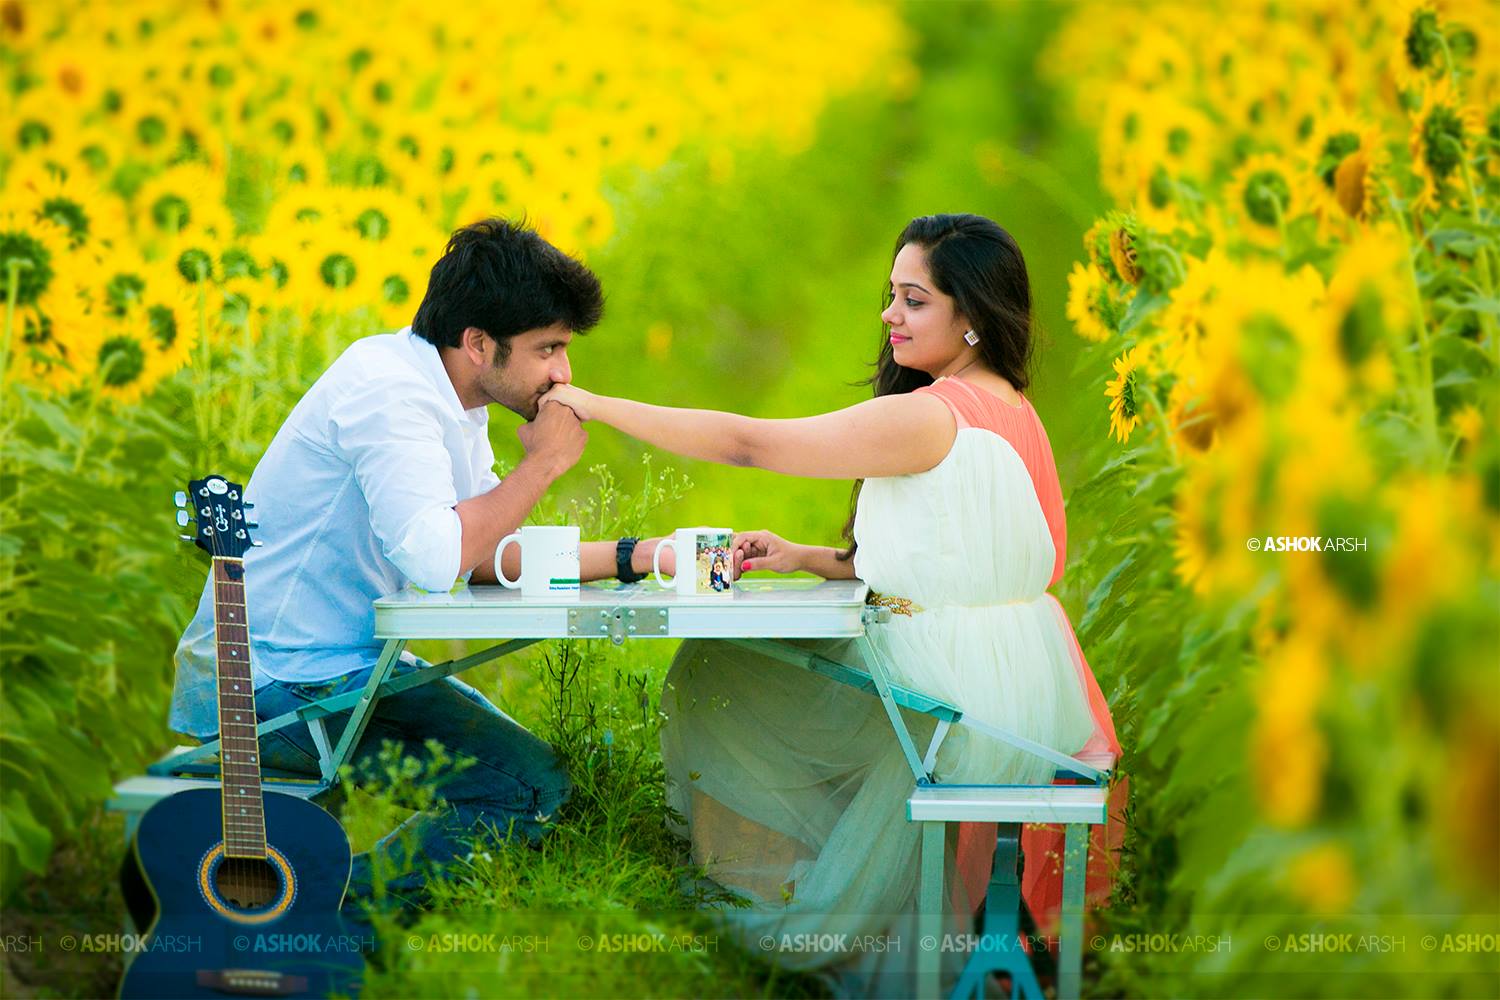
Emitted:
pixel 596 561
pixel 553 443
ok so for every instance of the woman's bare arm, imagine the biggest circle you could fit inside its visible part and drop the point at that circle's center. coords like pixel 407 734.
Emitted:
pixel 886 436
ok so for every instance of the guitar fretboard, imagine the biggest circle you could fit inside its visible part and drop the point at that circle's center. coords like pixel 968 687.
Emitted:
pixel 244 817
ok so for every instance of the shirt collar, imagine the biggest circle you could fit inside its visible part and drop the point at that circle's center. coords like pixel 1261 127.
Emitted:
pixel 431 363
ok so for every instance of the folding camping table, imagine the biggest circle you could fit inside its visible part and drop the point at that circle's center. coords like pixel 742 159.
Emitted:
pixel 760 616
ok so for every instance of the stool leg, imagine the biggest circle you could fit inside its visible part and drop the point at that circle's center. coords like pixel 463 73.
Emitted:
pixel 930 909
pixel 1000 947
pixel 1070 948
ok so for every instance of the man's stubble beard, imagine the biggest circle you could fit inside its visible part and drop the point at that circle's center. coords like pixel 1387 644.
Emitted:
pixel 523 402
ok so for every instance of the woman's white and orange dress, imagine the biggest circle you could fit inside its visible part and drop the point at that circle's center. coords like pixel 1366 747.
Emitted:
pixel 793 787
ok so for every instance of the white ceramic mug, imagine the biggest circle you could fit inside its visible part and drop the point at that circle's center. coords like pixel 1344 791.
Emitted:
pixel 705 562
pixel 549 560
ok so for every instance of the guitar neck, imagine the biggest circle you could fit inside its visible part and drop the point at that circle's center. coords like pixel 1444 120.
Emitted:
pixel 244 815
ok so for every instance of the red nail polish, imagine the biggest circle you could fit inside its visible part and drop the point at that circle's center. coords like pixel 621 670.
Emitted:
pixel 744 565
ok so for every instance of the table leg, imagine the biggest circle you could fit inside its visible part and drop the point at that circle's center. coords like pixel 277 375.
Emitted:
pixel 930 910
pixel 883 686
pixel 359 715
pixel 1070 947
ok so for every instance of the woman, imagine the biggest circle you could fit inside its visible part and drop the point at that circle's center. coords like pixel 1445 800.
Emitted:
pixel 792 785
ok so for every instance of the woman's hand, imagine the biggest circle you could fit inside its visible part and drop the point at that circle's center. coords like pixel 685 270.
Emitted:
pixel 580 401
pixel 765 550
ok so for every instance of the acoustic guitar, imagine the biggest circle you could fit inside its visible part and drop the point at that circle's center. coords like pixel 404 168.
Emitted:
pixel 240 886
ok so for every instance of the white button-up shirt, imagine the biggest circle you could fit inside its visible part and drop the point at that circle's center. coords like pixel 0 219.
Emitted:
pixel 355 499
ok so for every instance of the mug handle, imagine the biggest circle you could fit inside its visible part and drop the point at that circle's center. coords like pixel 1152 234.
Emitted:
pixel 500 550
pixel 656 560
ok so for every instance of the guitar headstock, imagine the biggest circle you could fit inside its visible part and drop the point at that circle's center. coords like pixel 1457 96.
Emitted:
pixel 217 507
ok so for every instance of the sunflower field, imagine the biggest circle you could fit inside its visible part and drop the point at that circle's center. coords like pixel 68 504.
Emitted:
pixel 1298 285
pixel 1265 256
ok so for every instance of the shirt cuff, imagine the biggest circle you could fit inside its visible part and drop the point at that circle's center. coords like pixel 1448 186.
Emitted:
pixel 431 550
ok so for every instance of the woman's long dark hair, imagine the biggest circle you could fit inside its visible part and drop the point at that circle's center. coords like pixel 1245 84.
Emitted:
pixel 978 265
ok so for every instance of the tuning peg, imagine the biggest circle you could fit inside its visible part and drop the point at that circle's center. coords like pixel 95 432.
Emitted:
pixel 248 505
pixel 180 498
pixel 252 524
pixel 187 538
pixel 182 518
pixel 255 544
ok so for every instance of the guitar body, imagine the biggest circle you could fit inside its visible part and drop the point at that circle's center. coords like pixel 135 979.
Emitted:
pixel 220 927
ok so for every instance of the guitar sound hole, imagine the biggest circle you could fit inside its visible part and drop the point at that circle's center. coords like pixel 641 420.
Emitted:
pixel 247 883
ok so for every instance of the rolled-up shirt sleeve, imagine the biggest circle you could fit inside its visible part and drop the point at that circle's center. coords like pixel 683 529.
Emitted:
pixel 392 438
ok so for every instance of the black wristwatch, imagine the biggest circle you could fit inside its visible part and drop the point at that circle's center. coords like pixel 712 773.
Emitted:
pixel 624 549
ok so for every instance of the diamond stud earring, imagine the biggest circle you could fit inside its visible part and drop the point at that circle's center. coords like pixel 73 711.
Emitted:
pixel 971 338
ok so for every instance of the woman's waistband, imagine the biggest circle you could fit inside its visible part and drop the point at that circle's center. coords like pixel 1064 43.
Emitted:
pixel 907 607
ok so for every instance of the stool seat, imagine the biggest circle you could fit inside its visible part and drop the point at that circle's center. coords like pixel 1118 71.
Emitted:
pixel 1008 804
pixel 137 794
pixel 1076 807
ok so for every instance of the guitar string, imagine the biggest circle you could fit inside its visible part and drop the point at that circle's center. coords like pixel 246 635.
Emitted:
pixel 244 871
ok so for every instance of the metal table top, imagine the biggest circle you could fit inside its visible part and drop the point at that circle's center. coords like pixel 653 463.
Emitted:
pixel 781 609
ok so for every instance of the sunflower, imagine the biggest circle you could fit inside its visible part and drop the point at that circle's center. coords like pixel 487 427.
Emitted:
pixel 1122 253
pixel 188 194
pixel 1443 130
pixel 121 281
pixel 1190 420
pixel 1266 194
pixel 300 207
pixel 1346 158
pixel 303 163
pixel 1417 48
pixel 93 220
pixel 1263 337
pixel 192 254
pixel 150 124
pixel 1126 400
pixel 1287 748
pixel 329 268
pixel 90 151
pixel 1089 302
pixel 400 285
pixel 35 248
pixel 170 313
pixel 1367 300
pixel 1468 424
pixel 1214 517
pixel 32 122
pixel 128 363
pixel 1181 321
pixel 53 339
pixel 74 75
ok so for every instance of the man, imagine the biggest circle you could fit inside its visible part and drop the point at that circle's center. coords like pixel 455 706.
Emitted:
pixel 382 476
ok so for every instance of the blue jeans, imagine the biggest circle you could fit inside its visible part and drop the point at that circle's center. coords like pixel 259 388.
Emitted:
pixel 513 780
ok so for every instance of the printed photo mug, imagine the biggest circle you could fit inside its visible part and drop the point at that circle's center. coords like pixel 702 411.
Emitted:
pixel 705 562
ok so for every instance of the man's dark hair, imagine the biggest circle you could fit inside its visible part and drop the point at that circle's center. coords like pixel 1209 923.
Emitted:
pixel 504 279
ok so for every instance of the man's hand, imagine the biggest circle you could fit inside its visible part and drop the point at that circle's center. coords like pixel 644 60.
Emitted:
pixel 580 401
pixel 763 550
pixel 645 549
pixel 555 439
